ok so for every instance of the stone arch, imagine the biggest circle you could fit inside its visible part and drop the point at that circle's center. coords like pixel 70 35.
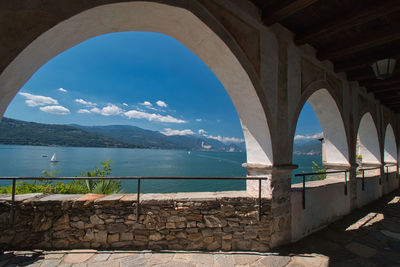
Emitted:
pixel 325 105
pixel 176 22
pixel 390 147
pixel 367 136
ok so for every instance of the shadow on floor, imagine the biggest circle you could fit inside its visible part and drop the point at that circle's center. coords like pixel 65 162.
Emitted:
pixel 369 236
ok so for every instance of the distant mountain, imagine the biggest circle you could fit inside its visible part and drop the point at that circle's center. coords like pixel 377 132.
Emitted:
pixel 18 132
pixel 154 139
pixel 309 147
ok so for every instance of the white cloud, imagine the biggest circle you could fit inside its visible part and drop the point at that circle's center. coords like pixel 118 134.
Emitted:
pixel 62 90
pixel 95 110
pixel 169 132
pixel 38 100
pixel 146 104
pixel 134 114
pixel 111 109
pixel 83 111
pixel 225 139
pixel 161 104
pixel 306 137
pixel 86 103
pixel 125 104
pixel 199 120
pixel 108 110
pixel 202 131
pixel 59 110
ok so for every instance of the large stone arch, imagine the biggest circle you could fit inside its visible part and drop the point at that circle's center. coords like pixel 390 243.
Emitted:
pixel 321 98
pixel 390 147
pixel 176 22
pixel 367 135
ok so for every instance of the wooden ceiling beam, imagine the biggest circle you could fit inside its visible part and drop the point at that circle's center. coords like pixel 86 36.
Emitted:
pixel 360 44
pixel 350 20
pixel 363 61
pixel 284 9
pixel 386 96
pixel 375 83
pixel 367 74
pixel 391 104
pixel 384 90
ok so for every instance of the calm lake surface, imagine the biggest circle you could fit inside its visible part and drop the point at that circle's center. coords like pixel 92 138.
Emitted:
pixel 28 161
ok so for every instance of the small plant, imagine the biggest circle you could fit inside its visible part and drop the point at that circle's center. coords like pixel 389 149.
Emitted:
pixel 317 169
pixel 101 186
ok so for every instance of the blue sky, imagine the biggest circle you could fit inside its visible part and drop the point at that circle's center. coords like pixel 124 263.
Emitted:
pixel 149 80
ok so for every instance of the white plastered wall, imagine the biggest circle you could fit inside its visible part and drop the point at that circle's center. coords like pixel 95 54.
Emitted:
pixel 332 126
pixel 390 154
pixel 153 17
pixel 369 142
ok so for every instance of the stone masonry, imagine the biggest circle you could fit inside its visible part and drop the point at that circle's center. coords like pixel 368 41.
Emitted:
pixel 184 221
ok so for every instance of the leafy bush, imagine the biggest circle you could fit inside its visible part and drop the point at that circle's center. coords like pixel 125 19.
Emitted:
pixel 99 186
pixel 317 169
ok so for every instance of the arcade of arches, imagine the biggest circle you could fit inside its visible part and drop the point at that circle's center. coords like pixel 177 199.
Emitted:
pixel 267 75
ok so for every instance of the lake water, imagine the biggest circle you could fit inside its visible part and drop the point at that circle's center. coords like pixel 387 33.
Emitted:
pixel 28 161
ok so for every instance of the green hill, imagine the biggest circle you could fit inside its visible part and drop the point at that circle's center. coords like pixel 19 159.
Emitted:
pixel 16 132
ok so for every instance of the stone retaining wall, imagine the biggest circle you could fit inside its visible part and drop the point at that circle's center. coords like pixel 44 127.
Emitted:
pixel 185 221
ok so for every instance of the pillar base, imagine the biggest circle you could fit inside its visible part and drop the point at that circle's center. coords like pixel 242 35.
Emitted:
pixel 278 187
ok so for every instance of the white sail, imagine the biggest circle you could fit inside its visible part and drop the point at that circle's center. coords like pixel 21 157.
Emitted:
pixel 53 158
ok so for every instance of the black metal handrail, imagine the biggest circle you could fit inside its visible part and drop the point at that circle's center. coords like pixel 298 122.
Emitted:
pixel 363 175
pixel 387 170
pixel 319 173
pixel 303 175
pixel 14 181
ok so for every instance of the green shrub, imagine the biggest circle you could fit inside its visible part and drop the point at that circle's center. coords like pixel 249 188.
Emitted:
pixel 99 186
pixel 316 169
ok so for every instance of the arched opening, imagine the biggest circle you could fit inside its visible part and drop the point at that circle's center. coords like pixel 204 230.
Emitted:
pixel 390 150
pixel 307 145
pixel 328 146
pixel 368 151
pixel 179 23
pixel 390 154
pixel 334 134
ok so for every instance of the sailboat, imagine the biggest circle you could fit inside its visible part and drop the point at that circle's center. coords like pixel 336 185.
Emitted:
pixel 53 158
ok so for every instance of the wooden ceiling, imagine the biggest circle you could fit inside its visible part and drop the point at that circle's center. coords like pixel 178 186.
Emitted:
pixel 350 33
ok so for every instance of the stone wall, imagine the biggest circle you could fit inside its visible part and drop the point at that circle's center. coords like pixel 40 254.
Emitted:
pixel 184 221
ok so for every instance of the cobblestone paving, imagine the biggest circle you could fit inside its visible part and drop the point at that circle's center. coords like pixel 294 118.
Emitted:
pixel 368 237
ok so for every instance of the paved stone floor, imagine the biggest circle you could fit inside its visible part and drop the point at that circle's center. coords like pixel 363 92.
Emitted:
pixel 368 237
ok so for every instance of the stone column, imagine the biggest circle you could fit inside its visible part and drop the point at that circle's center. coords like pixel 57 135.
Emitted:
pixel 281 207
pixel 277 187
pixel 353 185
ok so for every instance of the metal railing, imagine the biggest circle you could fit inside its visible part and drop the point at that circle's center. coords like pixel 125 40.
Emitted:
pixel 387 166
pixel 304 175
pixel 139 179
pixel 363 175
